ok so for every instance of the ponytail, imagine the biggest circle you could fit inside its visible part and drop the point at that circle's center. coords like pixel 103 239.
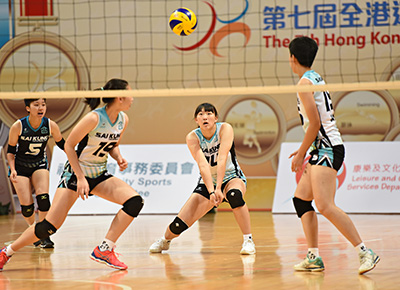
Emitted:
pixel 92 102
pixel 113 84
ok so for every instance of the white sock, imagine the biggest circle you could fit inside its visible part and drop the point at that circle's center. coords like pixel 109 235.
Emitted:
pixel 247 237
pixel 106 245
pixel 9 251
pixel 313 253
pixel 361 247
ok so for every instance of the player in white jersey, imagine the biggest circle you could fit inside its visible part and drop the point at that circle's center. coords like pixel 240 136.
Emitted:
pixel 212 147
pixel 318 181
pixel 97 135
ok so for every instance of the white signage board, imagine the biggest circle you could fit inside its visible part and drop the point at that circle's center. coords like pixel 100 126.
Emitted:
pixel 164 175
pixel 368 182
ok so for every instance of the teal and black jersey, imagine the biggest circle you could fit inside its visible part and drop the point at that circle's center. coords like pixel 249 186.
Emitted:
pixel 210 149
pixel 328 135
pixel 31 150
pixel 93 149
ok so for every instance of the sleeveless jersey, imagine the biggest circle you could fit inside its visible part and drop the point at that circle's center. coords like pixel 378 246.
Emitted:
pixel 93 149
pixel 328 134
pixel 32 143
pixel 210 149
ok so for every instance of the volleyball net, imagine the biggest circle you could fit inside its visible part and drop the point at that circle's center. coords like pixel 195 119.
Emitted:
pixel 62 50
pixel 78 45
pixel 237 59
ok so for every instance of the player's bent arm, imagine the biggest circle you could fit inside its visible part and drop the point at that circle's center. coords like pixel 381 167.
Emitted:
pixel 205 171
pixel 13 136
pixel 115 153
pixel 226 135
pixel 307 98
pixel 84 126
pixel 56 133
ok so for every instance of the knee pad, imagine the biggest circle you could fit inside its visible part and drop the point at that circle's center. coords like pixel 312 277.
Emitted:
pixel 235 198
pixel 178 226
pixel 43 201
pixel 133 206
pixel 44 229
pixel 302 206
pixel 27 210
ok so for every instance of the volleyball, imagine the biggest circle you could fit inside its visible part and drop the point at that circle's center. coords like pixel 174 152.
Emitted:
pixel 183 21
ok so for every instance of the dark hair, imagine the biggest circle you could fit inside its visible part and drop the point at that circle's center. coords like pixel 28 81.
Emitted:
pixel 304 50
pixel 113 84
pixel 207 108
pixel 29 101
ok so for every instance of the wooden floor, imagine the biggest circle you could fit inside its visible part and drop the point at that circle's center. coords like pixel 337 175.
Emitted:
pixel 204 257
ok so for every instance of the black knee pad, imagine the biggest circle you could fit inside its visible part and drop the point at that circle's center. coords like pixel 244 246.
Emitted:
pixel 133 206
pixel 235 198
pixel 43 201
pixel 27 210
pixel 44 229
pixel 178 226
pixel 302 206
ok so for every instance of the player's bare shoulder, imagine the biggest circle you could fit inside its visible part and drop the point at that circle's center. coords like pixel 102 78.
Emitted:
pixel 226 128
pixel 16 128
pixel 191 137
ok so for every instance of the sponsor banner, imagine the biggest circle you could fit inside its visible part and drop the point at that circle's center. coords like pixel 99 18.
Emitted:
pixel 368 182
pixel 164 175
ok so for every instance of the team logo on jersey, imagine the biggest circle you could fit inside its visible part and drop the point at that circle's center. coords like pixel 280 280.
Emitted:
pixel 120 125
pixel 44 130
pixel 103 125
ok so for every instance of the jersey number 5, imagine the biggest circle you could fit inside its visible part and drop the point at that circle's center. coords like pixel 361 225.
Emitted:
pixel 34 149
pixel 105 147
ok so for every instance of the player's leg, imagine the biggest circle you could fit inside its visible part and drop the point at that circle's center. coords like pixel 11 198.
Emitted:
pixel 234 192
pixel 40 182
pixel 115 190
pixel 303 197
pixel 196 207
pixel 62 202
pixel 23 189
pixel 324 187
pixel 302 200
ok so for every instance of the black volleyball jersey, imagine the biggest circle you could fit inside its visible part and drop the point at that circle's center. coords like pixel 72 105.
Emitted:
pixel 32 143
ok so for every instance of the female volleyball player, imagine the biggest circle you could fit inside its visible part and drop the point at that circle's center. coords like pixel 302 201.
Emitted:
pixel 318 181
pixel 211 145
pixel 96 135
pixel 26 156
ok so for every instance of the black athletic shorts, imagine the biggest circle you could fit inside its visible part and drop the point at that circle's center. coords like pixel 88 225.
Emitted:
pixel 69 179
pixel 27 170
pixel 329 157
pixel 202 189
